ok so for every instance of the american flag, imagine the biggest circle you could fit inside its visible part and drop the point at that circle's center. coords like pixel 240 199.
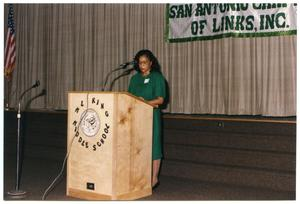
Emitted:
pixel 10 48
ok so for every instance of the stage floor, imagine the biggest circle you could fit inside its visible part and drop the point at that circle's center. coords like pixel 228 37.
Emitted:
pixel 38 174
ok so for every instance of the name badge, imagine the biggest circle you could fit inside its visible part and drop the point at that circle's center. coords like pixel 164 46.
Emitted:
pixel 146 81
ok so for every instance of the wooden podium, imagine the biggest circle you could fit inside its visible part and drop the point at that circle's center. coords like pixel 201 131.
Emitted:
pixel 109 145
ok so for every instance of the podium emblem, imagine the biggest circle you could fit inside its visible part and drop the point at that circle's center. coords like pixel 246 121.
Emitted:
pixel 90 122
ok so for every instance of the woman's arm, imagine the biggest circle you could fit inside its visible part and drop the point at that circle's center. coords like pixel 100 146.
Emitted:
pixel 156 102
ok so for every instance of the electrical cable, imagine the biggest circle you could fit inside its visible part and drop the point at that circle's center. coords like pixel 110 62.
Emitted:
pixel 67 155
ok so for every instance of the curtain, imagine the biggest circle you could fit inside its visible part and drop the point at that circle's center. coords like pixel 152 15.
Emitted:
pixel 72 47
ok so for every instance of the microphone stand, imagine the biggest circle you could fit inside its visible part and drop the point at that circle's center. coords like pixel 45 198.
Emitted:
pixel 17 193
pixel 106 78
pixel 44 92
pixel 126 72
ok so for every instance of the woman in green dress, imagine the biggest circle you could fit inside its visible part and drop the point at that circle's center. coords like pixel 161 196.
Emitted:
pixel 149 84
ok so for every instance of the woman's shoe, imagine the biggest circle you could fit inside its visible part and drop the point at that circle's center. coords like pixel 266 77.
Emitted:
pixel 155 185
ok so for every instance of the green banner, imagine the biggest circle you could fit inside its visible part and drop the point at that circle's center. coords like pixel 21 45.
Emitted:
pixel 189 22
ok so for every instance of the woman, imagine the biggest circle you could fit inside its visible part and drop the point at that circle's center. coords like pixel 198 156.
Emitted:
pixel 149 84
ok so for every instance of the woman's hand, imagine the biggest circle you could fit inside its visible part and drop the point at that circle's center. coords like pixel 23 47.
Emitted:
pixel 153 104
pixel 156 102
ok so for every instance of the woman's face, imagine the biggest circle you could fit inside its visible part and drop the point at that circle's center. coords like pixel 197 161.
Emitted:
pixel 145 65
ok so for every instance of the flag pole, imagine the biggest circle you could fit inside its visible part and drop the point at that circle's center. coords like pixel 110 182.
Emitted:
pixel 7 93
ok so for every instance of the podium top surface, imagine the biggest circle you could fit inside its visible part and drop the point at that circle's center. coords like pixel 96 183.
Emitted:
pixel 112 92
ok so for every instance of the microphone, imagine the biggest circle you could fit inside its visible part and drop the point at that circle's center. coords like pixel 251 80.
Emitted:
pixel 121 66
pixel 44 92
pixel 124 73
pixel 124 65
pixel 37 83
pixel 128 71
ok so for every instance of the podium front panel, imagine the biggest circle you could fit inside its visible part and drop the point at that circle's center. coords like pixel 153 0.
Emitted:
pixel 110 145
pixel 90 142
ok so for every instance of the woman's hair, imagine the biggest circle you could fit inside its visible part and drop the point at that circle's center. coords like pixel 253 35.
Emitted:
pixel 155 65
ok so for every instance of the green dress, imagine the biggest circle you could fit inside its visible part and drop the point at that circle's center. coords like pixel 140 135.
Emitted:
pixel 150 87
